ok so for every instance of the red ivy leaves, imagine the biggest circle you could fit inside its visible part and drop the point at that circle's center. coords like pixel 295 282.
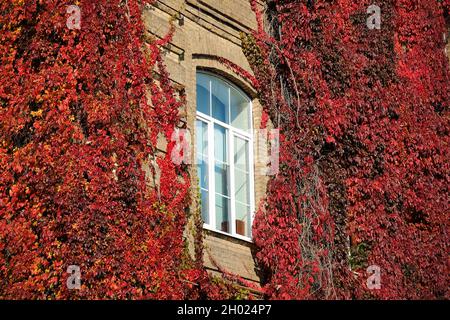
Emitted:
pixel 363 161
pixel 76 132
pixel 364 165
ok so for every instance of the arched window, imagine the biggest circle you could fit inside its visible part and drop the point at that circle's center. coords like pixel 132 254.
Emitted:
pixel 224 155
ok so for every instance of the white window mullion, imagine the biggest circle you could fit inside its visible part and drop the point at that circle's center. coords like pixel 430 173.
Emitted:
pixel 251 170
pixel 252 185
pixel 211 163
pixel 231 173
pixel 232 186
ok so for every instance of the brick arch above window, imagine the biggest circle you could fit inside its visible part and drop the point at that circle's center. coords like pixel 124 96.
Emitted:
pixel 212 63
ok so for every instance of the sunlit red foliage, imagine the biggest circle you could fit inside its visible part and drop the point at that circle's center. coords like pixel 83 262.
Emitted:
pixel 364 151
pixel 364 156
pixel 76 131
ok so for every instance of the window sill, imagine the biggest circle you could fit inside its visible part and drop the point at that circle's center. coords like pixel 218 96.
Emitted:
pixel 229 235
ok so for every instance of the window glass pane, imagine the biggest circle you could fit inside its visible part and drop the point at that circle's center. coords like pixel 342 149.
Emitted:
pixel 202 153
pixel 203 101
pixel 220 96
pixel 241 154
pixel 201 133
pixel 221 178
pixel 202 171
pixel 243 219
pixel 242 186
pixel 220 143
pixel 205 205
pixel 240 108
pixel 221 166
pixel 222 213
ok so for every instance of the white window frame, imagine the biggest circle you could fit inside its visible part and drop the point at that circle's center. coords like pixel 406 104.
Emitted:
pixel 231 133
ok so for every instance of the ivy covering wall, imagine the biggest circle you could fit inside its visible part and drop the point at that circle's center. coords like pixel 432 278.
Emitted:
pixel 82 101
pixel 364 154
pixel 363 176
